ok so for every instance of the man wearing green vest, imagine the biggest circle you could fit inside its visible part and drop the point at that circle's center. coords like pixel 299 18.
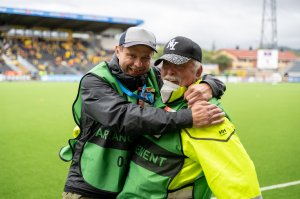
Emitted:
pixel 202 159
pixel 114 105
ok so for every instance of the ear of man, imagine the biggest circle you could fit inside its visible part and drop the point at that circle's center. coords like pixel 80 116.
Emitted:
pixel 199 72
pixel 118 49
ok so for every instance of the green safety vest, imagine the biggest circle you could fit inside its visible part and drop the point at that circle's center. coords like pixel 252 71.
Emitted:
pixel 105 155
pixel 156 162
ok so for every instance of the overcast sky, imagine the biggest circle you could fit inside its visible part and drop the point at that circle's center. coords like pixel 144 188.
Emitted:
pixel 226 23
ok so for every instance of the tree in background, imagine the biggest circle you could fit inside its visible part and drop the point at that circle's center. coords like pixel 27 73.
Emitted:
pixel 159 53
pixel 207 56
pixel 224 62
pixel 210 57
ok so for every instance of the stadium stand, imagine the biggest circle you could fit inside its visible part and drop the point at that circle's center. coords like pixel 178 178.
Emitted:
pixel 31 55
pixel 37 42
pixel 292 74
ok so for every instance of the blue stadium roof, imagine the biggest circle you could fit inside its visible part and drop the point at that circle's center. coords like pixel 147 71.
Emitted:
pixel 54 20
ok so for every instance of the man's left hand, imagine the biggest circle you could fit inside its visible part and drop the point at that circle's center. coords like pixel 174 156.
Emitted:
pixel 198 92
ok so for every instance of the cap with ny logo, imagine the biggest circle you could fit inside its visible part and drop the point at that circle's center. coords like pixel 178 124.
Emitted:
pixel 180 50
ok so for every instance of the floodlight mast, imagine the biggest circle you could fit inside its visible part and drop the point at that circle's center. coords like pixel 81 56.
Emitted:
pixel 268 37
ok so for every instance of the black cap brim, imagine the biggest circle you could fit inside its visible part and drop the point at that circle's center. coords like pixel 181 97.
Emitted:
pixel 173 58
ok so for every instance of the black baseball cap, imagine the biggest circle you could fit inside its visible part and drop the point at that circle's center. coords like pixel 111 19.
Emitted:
pixel 180 50
pixel 137 36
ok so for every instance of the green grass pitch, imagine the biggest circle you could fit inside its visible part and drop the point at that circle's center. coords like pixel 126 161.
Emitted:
pixel 36 121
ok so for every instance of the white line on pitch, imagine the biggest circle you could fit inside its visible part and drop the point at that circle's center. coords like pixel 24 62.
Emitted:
pixel 276 186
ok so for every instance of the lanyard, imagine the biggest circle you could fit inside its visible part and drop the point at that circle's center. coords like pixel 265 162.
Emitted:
pixel 146 97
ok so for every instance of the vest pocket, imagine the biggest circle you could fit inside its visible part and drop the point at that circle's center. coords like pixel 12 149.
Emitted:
pixel 104 168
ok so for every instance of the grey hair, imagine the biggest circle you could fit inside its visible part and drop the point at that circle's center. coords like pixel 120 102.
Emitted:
pixel 197 64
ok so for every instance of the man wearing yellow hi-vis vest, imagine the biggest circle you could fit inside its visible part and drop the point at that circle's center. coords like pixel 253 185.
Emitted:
pixel 205 160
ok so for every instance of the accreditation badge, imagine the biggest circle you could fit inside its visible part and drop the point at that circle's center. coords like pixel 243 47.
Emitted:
pixel 147 96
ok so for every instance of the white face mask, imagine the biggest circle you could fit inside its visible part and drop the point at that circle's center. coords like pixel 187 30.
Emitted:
pixel 167 90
